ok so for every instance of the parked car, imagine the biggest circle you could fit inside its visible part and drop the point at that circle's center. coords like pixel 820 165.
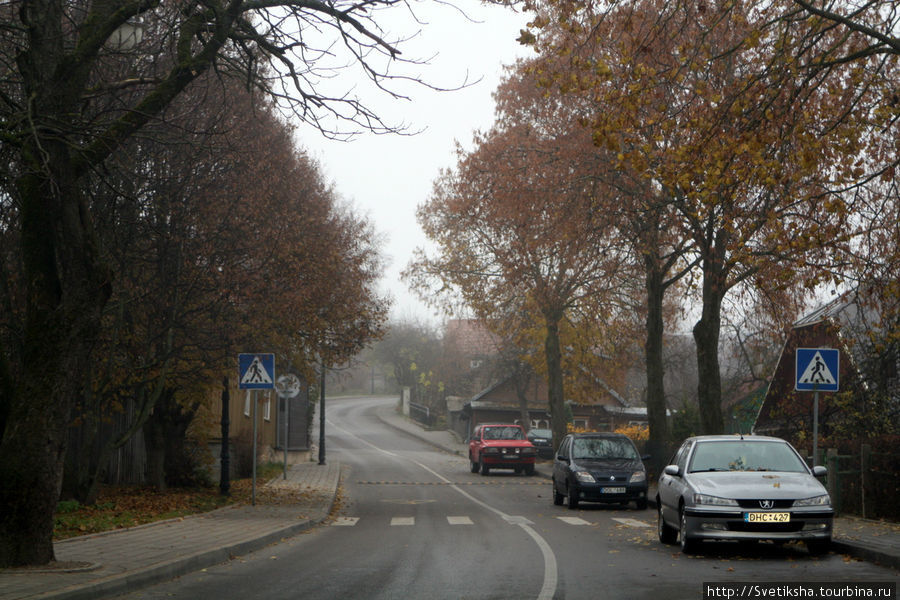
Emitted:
pixel 501 446
pixel 742 488
pixel 599 467
pixel 542 439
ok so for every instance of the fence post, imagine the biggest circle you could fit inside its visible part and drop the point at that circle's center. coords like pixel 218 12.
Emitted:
pixel 865 452
pixel 833 483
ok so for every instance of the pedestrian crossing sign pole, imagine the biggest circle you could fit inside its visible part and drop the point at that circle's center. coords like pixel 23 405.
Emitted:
pixel 817 370
pixel 256 372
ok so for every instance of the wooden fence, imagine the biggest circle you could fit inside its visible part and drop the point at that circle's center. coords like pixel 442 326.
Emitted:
pixel 866 483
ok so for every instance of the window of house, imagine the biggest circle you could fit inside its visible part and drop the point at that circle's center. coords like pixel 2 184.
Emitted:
pixel 580 424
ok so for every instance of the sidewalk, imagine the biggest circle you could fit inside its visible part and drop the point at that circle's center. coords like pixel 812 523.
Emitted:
pixel 116 562
pixel 121 561
pixel 874 541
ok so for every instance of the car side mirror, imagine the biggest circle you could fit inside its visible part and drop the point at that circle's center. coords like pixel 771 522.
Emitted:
pixel 646 457
pixel 562 458
pixel 672 470
pixel 820 471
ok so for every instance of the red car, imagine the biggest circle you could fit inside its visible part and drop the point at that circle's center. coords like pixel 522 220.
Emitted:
pixel 501 446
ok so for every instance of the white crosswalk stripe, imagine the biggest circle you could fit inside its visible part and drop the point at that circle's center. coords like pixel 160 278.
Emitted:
pixel 632 522
pixel 460 521
pixel 574 521
pixel 345 521
pixel 403 521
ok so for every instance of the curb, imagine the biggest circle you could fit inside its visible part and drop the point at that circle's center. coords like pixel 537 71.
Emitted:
pixel 865 553
pixel 140 578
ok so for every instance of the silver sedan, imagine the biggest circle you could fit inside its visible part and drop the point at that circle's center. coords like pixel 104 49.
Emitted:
pixel 742 488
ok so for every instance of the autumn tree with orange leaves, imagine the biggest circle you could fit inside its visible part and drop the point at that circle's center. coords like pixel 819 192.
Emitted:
pixel 710 104
pixel 523 240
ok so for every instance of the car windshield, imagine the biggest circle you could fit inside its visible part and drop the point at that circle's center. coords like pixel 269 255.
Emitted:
pixel 503 433
pixel 597 447
pixel 543 433
pixel 741 455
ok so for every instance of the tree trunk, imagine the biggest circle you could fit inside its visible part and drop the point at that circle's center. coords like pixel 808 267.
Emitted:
pixel 81 472
pixel 66 289
pixel 155 444
pixel 653 352
pixel 555 392
pixel 523 380
pixel 165 434
pixel 706 337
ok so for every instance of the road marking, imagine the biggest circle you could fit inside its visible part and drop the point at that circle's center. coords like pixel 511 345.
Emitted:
pixel 517 520
pixel 551 575
pixel 345 521
pixel 436 483
pixel 460 521
pixel 574 521
pixel 403 521
pixel 632 522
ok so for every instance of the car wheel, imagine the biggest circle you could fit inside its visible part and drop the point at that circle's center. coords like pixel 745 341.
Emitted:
pixel 557 497
pixel 687 545
pixel 572 497
pixel 484 468
pixel 529 470
pixel 474 465
pixel 641 504
pixel 667 535
pixel 818 547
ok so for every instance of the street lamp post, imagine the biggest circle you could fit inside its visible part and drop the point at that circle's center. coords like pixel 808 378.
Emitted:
pixel 225 473
pixel 322 414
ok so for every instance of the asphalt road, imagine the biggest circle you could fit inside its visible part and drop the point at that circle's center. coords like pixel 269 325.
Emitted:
pixel 415 523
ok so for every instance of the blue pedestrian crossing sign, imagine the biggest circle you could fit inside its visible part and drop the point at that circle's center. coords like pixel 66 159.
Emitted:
pixel 817 370
pixel 257 371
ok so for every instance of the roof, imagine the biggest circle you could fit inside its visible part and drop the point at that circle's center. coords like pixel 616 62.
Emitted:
pixel 470 337
pixel 826 311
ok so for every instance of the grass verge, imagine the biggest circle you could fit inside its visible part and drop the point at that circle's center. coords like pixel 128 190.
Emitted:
pixel 118 507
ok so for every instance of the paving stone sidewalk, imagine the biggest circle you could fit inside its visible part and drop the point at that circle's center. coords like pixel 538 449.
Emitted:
pixel 116 562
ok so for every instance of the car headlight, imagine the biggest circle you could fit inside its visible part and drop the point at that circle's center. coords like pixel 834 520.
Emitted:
pixel 638 477
pixel 823 500
pixel 527 451
pixel 585 477
pixel 713 500
pixel 492 450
